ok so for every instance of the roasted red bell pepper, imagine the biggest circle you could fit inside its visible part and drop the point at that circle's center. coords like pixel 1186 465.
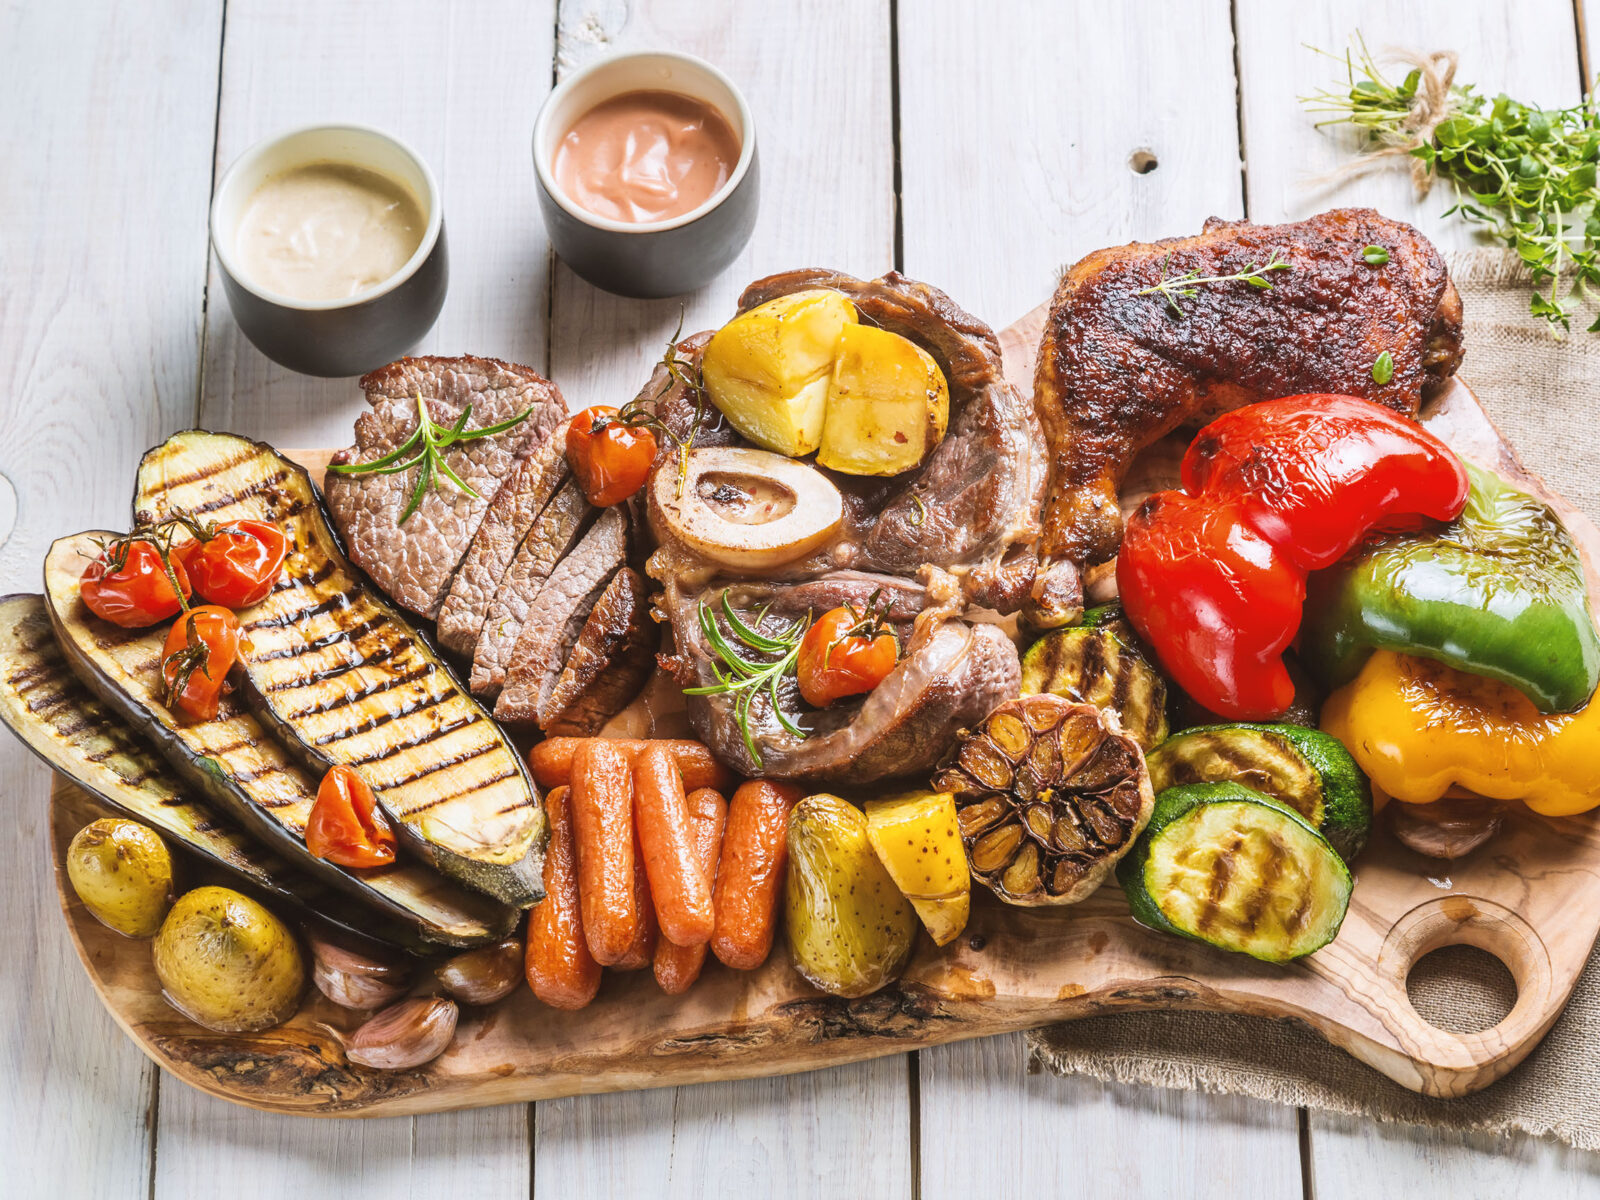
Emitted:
pixel 1214 576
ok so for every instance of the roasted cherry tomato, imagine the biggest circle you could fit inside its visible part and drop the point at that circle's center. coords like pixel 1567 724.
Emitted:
pixel 202 646
pixel 847 652
pixel 610 458
pixel 237 565
pixel 137 592
pixel 347 826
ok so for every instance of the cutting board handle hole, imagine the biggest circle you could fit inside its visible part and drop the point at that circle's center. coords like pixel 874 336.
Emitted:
pixel 1461 989
pixel 1466 966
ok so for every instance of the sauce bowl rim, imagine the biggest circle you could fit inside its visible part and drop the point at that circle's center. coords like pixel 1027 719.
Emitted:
pixel 248 159
pixel 542 165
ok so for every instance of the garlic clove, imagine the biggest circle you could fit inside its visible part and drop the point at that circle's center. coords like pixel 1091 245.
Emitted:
pixel 404 1035
pixel 484 975
pixel 354 980
pixel 1449 828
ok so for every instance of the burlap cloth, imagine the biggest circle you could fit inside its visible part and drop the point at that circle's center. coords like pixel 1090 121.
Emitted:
pixel 1544 395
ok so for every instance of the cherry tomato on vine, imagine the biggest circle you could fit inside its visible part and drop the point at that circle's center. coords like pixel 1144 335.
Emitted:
pixel 347 826
pixel 610 458
pixel 202 645
pixel 238 564
pixel 845 653
pixel 127 585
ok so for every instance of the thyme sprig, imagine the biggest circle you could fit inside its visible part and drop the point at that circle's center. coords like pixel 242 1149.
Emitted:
pixel 744 679
pixel 635 413
pixel 1526 174
pixel 426 447
pixel 1182 287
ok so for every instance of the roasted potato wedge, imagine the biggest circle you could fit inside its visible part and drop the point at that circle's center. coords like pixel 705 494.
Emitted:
pixel 227 963
pixel 122 872
pixel 918 840
pixel 850 930
pixel 888 404
pixel 768 370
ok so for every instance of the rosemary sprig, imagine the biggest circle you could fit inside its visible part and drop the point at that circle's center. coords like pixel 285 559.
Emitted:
pixel 426 447
pixel 1526 174
pixel 1182 287
pixel 744 679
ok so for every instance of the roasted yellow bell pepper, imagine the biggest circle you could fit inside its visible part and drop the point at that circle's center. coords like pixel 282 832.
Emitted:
pixel 1418 727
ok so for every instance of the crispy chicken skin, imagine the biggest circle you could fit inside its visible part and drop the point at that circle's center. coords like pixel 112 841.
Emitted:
pixel 1117 370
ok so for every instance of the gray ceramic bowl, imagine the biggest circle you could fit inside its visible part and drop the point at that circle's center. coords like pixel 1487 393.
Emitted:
pixel 347 336
pixel 655 258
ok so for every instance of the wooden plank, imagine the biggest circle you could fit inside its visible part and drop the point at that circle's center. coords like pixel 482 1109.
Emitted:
pixel 107 130
pixel 817 77
pixel 438 77
pixel 1349 1155
pixel 460 84
pixel 990 1128
pixel 967 155
pixel 1528 50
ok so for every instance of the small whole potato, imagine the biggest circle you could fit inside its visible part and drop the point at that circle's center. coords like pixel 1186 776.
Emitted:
pixel 227 963
pixel 122 872
pixel 850 930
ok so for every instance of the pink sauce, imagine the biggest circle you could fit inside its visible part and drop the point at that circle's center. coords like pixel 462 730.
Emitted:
pixel 646 156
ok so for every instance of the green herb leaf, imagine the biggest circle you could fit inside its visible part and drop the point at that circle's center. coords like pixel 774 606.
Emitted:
pixel 429 457
pixel 1383 369
pixel 1375 255
pixel 1184 287
pixel 742 678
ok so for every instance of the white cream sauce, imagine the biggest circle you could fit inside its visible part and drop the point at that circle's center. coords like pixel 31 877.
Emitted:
pixel 327 231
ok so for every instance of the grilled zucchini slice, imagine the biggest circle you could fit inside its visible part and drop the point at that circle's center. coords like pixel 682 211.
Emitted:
pixel 234 763
pixel 343 678
pixel 1100 665
pixel 77 736
pixel 1225 865
pixel 1303 769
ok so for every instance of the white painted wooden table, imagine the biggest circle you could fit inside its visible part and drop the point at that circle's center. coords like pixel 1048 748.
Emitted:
pixel 978 145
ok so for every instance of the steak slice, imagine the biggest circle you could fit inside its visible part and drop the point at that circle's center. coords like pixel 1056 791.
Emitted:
pixel 511 514
pixel 557 616
pixel 550 537
pixel 950 675
pixel 610 664
pixel 413 562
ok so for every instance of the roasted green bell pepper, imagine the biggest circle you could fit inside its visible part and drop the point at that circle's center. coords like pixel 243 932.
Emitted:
pixel 1497 592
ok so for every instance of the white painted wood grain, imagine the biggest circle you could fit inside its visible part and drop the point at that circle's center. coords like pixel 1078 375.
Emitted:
pixel 817 77
pixel 1528 50
pixel 1001 187
pixel 460 83
pixel 106 146
pixel 1019 125
pixel 991 1129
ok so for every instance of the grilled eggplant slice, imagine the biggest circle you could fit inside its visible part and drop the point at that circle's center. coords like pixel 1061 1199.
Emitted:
pixel 76 735
pixel 233 762
pixel 343 679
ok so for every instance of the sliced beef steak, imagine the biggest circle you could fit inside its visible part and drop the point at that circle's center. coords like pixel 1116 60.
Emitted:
pixel 552 535
pixel 610 664
pixel 414 562
pixel 557 615
pixel 511 515
pixel 950 675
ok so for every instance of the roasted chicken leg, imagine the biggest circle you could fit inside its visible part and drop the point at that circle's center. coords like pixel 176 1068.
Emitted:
pixel 1121 366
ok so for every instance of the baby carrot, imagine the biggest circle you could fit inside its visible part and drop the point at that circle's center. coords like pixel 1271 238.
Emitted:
pixel 681 890
pixel 602 825
pixel 677 967
pixel 755 852
pixel 645 934
pixel 560 969
pixel 551 760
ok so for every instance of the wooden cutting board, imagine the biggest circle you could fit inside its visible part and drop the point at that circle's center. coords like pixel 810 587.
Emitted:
pixel 1531 897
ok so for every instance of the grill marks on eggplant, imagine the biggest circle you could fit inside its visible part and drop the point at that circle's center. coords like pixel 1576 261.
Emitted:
pixel 341 676
pixel 235 762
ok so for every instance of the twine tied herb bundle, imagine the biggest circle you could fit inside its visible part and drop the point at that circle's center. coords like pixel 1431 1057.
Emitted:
pixel 1526 174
